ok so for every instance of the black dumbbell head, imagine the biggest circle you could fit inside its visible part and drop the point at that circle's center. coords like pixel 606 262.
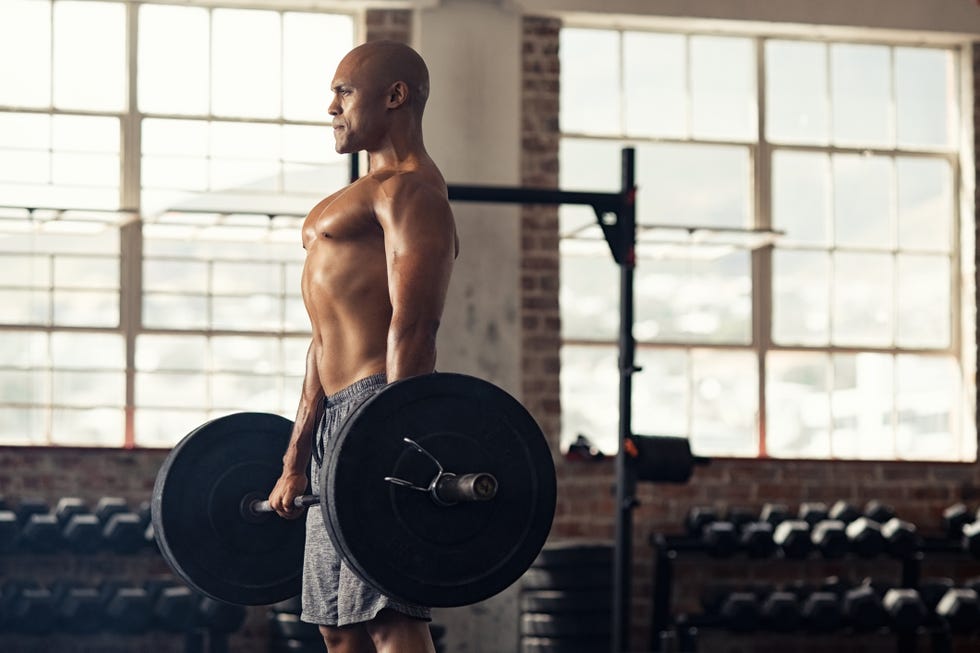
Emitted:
pixel 740 611
pixel 757 540
pixel 793 538
pixel 901 539
pixel 123 533
pixel 781 612
pixel 720 539
pixel 822 612
pixel 41 534
pixel 829 538
pixel 108 506
pixel 843 511
pixel 30 506
pixel 68 506
pixel 960 608
pixel 9 531
pixel 955 517
pixel 812 512
pixel 865 538
pixel 878 511
pixel 697 518
pixel 905 608
pixel 128 610
pixel 774 513
pixel 82 533
pixel 863 609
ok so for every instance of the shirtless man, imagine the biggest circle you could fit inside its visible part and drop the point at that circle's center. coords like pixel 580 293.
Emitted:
pixel 379 254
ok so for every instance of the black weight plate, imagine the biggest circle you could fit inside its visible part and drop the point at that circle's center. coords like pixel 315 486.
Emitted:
pixel 403 542
pixel 197 517
pixel 566 601
pixel 575 554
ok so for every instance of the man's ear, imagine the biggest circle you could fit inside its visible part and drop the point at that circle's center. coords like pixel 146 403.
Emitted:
pixel 397 95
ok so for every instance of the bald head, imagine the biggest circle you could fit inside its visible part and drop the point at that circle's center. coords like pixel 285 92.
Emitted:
pixel 388 62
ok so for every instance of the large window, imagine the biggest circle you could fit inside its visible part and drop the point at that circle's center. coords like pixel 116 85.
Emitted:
pixel 843 334
pixel 149 215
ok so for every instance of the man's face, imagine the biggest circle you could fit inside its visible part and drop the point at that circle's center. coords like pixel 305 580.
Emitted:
pixel 357 108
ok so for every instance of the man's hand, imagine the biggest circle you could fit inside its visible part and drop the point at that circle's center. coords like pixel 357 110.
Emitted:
pixel 288 487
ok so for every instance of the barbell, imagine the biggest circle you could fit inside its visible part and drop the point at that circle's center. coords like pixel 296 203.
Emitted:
pixel 439 490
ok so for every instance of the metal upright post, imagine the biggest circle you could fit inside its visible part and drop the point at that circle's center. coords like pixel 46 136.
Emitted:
pixel 625 474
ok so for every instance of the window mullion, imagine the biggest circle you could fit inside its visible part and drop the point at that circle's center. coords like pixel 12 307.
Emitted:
pixel 762 257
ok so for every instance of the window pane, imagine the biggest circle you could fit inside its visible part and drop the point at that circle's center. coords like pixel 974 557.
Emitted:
pixel 310 144
pixel 83 389
pixel 26 271
pixel 90 55
pixel 725 403
pixel 796 92
pixel 183 353
pixel 86 272
pixel 306 79
pixel 693 299
pixel 861 404
pixel 173 73
pixel 246 354
pixel 924 301
pixel 797 405
pixel 252 313
pixel 81 308
pixel 184 311
pixel 589 86
pixel 246 278
pixel 246 63
pixel 23 426
pixel 862 312
pixel 175 275
pixel 236 392
pixel 861 94
pixel 925 204
pixel 23 387
pixel 927 394
pixel 25 307
pixel 672 180
pixel 925 97
pixel 801 196
pixel 171 390
pixel 88 426
pixel 661 393
pixel 85 134
pixel 88 351
pixel 863 192
pixel 589 396
pixel 723 75
pixel 589 299
pixel 801 297
pixel 186 137
pixel 164 428
pixel 25 53
pixel 655 84
pixel 23 350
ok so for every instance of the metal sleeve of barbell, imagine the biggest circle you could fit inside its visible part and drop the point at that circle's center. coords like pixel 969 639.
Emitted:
pixel 466 487
pixel 304 501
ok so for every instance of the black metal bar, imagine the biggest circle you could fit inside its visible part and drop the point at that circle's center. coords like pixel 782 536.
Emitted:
pixel 354 167
pixel 625 474
pixel 663 587
pixel 606 202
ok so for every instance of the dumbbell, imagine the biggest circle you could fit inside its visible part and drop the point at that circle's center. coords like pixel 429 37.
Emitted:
pixel 822 612
pixel 774 513
pixel 79 608
pixel 28 608
pixel 128 608
pixel 218 616
pixel 812 512
pixel 959 608
pixel 901 539
pixel 81 531
pixel 9 531
pixel 793 538
pixel 757 539
pixel 877 511
pixel 863 609
pixel 122 531
pixel 905 609
pixel 865 538
pixel 843 511
pixel 741 612
pixel 954 518
pixel 829 536
pixel 719 537
pixel 780 612
pixel 39 532
pixel 174 607
pixel 971 538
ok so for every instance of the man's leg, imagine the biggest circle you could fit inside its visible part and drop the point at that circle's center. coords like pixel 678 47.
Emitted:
pixel 347 639
pixel 394 632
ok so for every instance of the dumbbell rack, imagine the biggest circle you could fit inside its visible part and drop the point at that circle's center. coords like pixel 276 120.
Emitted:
pixel 669 547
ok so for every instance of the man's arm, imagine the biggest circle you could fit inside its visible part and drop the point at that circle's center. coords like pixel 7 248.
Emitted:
pixel 420 247
pixel 293 481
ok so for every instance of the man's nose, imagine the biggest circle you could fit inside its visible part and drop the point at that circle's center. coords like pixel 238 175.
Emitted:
pixel 334 108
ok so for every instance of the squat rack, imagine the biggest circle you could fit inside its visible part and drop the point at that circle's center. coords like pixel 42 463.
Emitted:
pixel 616 216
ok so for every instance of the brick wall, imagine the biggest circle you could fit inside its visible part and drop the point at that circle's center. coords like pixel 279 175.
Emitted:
pixel 388 24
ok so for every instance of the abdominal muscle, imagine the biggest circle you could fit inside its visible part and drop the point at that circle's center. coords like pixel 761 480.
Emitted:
pixel 345 290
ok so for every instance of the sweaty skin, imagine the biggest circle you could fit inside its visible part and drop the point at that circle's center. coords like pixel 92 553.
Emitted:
pixel 379 255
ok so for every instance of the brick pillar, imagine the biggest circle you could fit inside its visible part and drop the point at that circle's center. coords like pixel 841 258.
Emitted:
pixel 388 24
pixel 540 319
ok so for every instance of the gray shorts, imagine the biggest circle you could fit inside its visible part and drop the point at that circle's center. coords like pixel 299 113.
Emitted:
pixel 333 595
